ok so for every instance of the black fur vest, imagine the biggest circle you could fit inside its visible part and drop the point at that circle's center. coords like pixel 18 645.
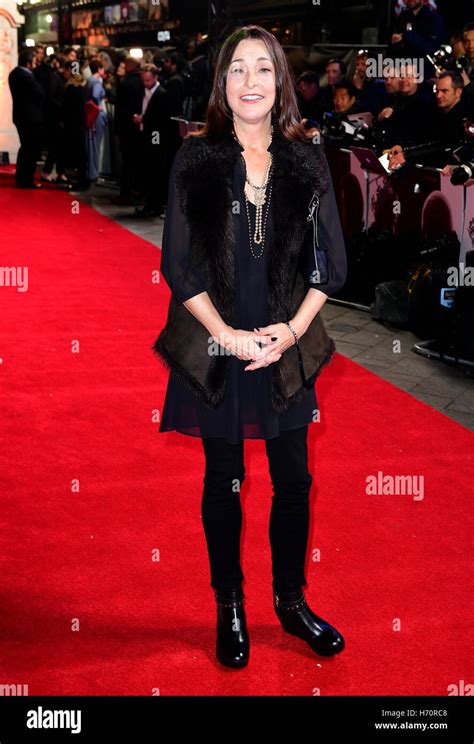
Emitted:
pixel 204 183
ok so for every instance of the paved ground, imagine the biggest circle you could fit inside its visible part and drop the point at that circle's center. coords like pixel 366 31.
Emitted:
pixel 367 342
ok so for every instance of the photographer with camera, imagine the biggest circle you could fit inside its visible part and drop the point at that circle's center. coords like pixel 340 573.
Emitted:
pixel 345 100
pixel 443 127
pixel 405 122
pixel 338 129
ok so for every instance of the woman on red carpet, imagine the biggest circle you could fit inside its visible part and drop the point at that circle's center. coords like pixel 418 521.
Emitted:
pixel 252 248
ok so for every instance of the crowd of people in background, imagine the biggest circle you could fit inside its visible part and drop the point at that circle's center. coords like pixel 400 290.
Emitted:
pixel 65 105
pixel 407 110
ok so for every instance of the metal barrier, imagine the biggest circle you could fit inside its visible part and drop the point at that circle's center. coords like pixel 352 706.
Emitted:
pixel 416 201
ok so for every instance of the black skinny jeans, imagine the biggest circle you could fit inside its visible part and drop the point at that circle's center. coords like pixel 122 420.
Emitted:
pixel 289 517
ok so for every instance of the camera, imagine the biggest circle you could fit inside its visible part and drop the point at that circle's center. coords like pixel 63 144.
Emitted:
pixel 347 130
pixel 444 60
pixel 465 155
pixel 463 173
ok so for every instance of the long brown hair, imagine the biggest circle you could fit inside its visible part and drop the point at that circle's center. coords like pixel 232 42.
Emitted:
pixel 285 114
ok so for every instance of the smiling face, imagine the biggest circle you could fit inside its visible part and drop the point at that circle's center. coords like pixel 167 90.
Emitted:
pixel 250 84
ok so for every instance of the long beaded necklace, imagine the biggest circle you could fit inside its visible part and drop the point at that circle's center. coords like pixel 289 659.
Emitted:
pixel 260 198
pixel 259 234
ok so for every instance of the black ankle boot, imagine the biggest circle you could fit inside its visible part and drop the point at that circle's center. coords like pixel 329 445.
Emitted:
pixel 232 645
pixel 297 618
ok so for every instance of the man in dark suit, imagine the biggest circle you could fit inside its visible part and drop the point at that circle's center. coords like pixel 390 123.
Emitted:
pixel 52 84
pixel 172 81
pixel 28 117
pixel 128 102
pixel 154 125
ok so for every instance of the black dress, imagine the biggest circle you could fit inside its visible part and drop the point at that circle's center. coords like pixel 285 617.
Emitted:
pixel 246 412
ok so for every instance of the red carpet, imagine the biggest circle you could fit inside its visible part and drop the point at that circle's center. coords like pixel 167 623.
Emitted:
pixel 105 583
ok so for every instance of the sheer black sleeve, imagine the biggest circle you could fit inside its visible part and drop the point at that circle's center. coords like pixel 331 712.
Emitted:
pixel 330 237
pixel 183 279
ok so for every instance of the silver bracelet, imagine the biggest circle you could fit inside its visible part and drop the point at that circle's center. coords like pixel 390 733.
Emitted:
pixel 293 332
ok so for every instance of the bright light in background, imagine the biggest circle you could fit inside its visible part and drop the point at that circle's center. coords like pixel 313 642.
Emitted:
pixel 137 53
pixel 49 51
pixel 49 18
pixel 29 42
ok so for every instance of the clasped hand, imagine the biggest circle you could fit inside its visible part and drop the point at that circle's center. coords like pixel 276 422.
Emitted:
pixel 275 339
